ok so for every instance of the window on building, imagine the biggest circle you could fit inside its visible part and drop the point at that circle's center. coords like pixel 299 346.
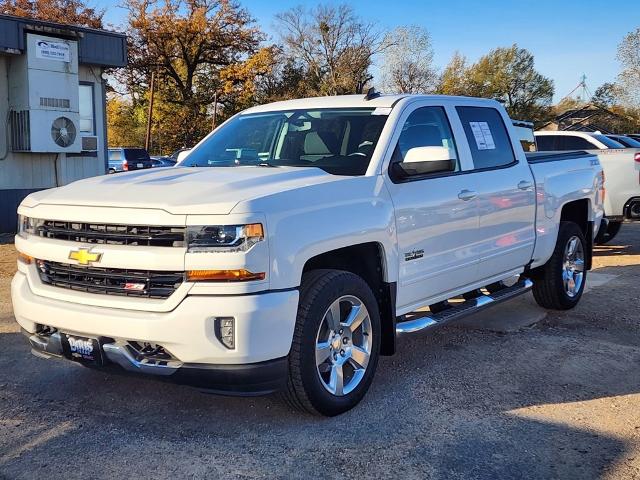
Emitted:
pixel 86 110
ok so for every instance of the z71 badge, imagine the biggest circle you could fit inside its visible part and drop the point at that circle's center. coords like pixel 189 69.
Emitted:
pixel 413 255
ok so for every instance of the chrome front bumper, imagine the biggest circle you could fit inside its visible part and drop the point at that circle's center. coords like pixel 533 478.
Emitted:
pixel 48 346
pixel 243 379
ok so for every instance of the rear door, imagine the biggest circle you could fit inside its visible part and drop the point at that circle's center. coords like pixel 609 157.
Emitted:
pixel 505 191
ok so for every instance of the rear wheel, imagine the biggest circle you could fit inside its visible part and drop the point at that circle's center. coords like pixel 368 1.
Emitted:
pixel 559 283
pixel 607 234
pixel 336 343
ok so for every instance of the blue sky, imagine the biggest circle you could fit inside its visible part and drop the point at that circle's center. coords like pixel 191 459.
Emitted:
pixel 567 37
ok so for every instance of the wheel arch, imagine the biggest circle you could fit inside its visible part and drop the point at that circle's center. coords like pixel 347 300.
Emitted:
pixel 578 212
pixel 368 261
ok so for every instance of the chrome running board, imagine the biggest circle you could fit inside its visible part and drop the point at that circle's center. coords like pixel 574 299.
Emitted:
pixel 419 322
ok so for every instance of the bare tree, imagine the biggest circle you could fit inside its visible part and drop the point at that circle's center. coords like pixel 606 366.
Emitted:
pixel 629 57
pixel 332 44
pixel 408 61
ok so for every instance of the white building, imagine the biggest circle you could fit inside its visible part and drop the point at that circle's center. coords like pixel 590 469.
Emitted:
pixel 52 106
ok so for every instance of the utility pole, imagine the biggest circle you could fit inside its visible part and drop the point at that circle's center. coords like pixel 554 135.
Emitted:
pixel 215 110
pixel 147 142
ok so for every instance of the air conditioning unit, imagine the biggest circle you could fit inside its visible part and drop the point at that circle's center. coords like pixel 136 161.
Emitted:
pixel 43 97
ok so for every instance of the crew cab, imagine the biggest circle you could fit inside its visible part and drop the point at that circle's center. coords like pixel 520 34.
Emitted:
pixel 298 240
pixel 619 163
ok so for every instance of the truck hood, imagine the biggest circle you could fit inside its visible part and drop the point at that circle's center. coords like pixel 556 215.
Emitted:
pixel 182 190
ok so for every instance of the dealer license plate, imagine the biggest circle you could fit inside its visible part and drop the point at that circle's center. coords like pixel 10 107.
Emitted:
pixel 81 349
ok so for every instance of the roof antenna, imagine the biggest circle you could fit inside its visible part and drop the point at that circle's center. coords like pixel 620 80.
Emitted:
pixel 371 94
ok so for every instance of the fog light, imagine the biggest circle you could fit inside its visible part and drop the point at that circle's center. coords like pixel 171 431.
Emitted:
pixel 225 329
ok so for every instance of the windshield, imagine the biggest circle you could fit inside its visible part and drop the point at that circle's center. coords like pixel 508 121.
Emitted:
pixel 339 141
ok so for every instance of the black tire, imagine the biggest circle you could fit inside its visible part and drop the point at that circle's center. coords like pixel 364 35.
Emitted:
pixel 548 285
pixel 305 391
pixel 605 235
pixel 111 171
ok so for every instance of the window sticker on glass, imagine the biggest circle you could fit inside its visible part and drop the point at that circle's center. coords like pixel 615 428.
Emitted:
pixel 483 136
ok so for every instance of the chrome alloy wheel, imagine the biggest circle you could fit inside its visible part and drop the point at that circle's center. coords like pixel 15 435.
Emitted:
pixel 573 267
pixel 343 345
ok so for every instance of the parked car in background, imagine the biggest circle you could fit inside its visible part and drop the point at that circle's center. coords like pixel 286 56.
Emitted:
pixel 311 234
pixel 157 162
pixel 625 141
pixel 124 159
pixel 524 132
pixel 622 182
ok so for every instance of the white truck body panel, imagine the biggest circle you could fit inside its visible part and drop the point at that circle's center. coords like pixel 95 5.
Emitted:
pixel 508 225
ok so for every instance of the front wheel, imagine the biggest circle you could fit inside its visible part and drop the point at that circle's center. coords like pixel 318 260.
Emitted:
pixel 336 343
pixel 559 283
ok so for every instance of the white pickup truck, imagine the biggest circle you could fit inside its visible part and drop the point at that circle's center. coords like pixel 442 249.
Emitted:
pixel 298 239
pixel 622 199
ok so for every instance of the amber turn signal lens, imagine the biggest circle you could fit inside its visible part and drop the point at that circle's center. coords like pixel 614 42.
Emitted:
pixel 223 275
pixel 24 258
pixel 254 230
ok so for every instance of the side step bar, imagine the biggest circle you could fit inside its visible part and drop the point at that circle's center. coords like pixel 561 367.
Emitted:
pixel 463 309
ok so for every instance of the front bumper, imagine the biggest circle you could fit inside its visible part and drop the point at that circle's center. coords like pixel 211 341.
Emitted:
pixel 264 326
pixel 248 379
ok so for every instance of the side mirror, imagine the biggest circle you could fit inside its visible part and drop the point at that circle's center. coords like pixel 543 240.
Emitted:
pixel 424 160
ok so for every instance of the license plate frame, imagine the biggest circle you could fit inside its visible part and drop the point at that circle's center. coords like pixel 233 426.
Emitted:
pixel 140 165
pixel 81 349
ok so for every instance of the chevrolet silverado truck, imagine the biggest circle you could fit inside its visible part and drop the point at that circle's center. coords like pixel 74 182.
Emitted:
pixel 619 163
pixel 297 242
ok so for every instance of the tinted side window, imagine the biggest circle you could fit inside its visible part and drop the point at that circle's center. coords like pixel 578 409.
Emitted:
pixel 133 154
pixel 575 143
pixel 426 127
pixel 547 143
pixel 487 136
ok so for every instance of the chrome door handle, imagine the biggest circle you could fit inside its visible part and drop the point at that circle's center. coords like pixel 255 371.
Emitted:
pixel 525 185
pixel 467 195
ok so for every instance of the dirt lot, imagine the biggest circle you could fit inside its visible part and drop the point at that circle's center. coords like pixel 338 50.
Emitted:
pixel 560 399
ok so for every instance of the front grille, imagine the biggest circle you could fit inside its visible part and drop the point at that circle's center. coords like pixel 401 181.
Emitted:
pixel 112 234
pixel 110 281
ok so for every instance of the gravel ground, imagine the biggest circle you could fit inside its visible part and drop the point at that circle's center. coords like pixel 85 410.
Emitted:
pixel 560 399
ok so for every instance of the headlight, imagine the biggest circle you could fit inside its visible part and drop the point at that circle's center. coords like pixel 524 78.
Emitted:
pixel 27 225
pixel 223 238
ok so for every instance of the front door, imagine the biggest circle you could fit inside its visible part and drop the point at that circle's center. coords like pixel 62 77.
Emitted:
pixel 436 215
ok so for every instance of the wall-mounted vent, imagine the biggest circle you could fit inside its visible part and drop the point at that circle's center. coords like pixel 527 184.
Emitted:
pixel 55 102
pixel 20 131
pixel 89 144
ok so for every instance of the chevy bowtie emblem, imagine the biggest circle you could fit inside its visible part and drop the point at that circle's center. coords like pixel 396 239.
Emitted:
pixel 84 256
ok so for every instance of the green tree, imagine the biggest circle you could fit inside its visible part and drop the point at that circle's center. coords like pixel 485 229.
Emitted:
pixel 509 75
pixel 454 79
pixel 606 95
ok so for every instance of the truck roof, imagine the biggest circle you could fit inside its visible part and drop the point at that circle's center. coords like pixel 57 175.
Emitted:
pixel 351 101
